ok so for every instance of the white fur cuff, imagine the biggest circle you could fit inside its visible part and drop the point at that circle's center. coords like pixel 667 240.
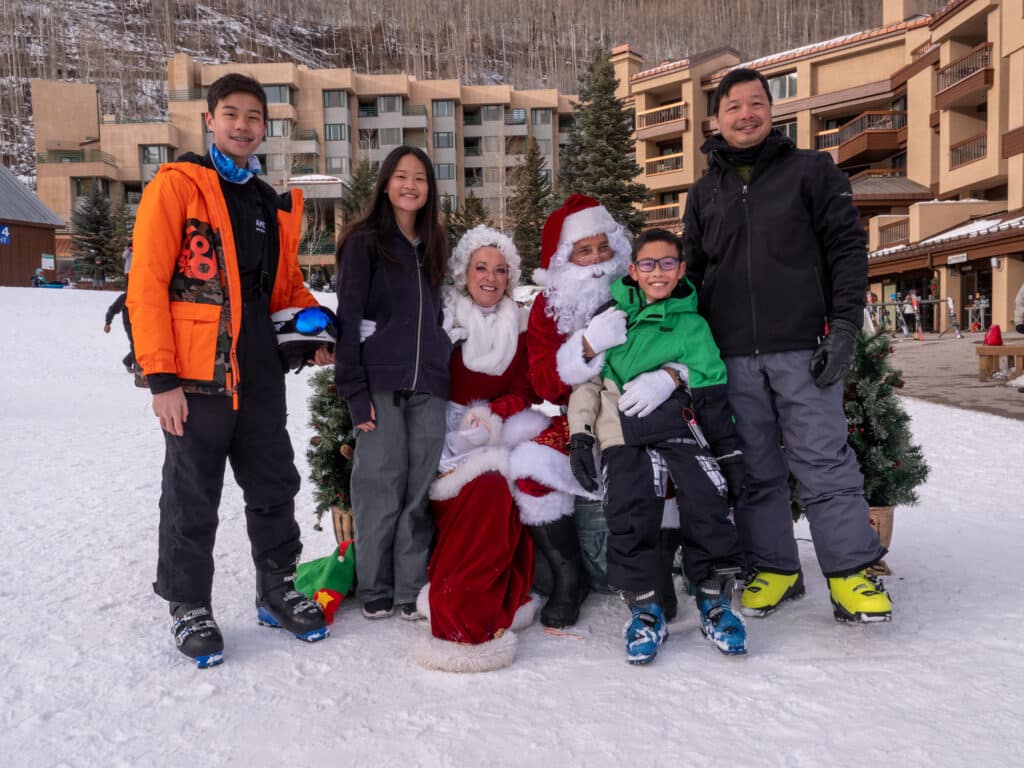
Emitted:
pixel 433 653
pixel 473 466
pixel 572 368
pixel 541 510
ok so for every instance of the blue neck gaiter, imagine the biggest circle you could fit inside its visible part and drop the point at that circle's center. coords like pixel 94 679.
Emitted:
pixel 229 171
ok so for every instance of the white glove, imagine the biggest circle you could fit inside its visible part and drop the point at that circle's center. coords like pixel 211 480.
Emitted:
pixel 606 330
pixel 366 329
pixel 646 392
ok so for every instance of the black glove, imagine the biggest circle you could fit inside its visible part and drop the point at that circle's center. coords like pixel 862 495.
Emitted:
pixel 735 474
pixel 581 460
pixel 1019 327
pixel 834 355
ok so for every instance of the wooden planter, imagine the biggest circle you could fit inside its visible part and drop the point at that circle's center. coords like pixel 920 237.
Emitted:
pixel 343 522
pixel 881 521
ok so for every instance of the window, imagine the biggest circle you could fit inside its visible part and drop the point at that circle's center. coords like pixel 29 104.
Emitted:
pixel 278 128
pixel 542 117
pixel 368 139
pixel 335 99
pixel 515 116
pixel 390 136
pixel 444 140
pixel 84 185
pixel 899 104
pixel 788 129
pixel 154 154
pixel 492 175
pixel 444 108
pixel 278 94
pixel 474 177
pixel 490 112
pixel 782 86
pixel 337 164
pixel 451 202
pixel 565 123
pixel 444 171
pixel 368 110
pixel 335 132
pixel 389 104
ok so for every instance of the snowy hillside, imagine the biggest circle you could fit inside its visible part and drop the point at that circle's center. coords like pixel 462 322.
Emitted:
pixel 90 676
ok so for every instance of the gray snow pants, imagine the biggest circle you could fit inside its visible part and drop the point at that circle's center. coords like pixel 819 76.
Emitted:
pixel 391 476
pixel 776 404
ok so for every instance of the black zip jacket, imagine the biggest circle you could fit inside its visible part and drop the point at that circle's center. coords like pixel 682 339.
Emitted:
pixel 409 351
pixel 776 258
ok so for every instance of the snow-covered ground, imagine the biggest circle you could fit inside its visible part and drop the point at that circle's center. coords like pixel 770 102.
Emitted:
pixel 89 676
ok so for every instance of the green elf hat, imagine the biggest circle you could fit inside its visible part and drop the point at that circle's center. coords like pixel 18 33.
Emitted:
pixel 329 579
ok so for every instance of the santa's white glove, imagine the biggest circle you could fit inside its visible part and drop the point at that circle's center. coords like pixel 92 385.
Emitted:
pixel 478 427
pixel 366 329
pixel 606 330
pixel 646 392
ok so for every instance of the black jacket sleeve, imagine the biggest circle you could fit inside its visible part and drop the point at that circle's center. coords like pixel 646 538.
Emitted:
pixel 354 274
pixel 117 306
pixel 693 253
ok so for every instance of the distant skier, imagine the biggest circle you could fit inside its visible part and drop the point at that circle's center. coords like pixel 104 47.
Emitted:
pixel 118 306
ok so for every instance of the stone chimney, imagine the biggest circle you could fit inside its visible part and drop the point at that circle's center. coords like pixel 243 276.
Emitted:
pixel 895 11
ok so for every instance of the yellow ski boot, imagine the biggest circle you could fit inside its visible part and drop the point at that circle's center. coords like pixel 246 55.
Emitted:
pixel 859 597
pixel 766 590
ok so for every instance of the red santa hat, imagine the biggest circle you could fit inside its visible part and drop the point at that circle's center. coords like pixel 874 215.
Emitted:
pixel 579 217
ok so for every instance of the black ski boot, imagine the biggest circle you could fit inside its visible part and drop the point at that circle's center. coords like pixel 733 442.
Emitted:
pixel 196 634
pixel 557 541
pixel 669 541
pixel 278 604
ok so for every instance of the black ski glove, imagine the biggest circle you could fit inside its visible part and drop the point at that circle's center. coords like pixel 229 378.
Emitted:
pixel 834 355
pixel 1019 327
pixel 735 474
pixel 581 460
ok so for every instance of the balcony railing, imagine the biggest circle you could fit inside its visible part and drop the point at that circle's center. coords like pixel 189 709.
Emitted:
pixel 75 156
pixel 968 150
pixel 661 213
pixel 415 141
pixel 186 94
pixel 872 121
pixel 414 110
pixel 368 110
pixel 472 150
pixel 894 233
pixel 977 59
pixel 110 120
pixel 664 164
pixel 827 139
pixel 472 118
pixel 660 115
pixel 515 117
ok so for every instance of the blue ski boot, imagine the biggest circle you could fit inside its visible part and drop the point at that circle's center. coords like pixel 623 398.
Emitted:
pixel 278 604
pixel 196 634
pixel 646 630
pixel 718 621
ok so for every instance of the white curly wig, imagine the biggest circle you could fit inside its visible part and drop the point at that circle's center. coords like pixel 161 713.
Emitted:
pixel 481 236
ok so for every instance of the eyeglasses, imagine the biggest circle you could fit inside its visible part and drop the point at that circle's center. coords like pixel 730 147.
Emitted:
pixel 665 263
pixel 310 321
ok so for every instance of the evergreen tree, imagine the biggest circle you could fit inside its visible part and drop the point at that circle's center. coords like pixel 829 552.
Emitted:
pixel 99 234
pixel 529 206
pixel 364 177
pixel 471 214
pixel 331 448
pixel 599 159
pixel 879 427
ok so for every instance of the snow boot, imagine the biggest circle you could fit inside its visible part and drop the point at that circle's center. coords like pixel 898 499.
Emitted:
pixel 558 542
pixel 669 542
pixel 278 604
pixel 646 630
pixel 859 598
pixel 196 634
pixel 767 590
pixel 718 621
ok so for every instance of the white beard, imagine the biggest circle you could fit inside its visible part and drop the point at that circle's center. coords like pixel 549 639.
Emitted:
pixel 576 292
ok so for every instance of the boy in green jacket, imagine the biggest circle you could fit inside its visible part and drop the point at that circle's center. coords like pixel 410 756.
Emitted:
pixel 659 410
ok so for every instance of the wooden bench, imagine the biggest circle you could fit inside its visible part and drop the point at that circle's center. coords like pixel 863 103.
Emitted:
pixel 989 359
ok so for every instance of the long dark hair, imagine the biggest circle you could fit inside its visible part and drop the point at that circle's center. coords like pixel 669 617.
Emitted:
pixel 378 218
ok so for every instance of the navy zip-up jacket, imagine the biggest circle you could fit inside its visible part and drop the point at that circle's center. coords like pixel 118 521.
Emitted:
pixel 774 258
pixel 409 350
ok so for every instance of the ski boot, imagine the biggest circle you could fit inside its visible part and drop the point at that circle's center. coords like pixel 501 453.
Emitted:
pixel 196 634
pixel 646 630
pixel 859 598
pixel 558 542
pixel 719 623
pixel 278 604
pixel 767 590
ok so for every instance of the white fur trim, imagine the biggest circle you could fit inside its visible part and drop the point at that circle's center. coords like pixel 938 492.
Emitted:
pixel 569 362
pixel 540 510
pixel 446 656
pixel 423 602
pixel 523 426
pixel 548 467
pixel 588 222
pixel 476 464
pixel 670 515
pixel 525 614
pixel 481 236
pixel 617 239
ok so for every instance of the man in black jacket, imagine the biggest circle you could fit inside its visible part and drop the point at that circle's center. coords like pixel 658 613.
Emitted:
pixel 774 245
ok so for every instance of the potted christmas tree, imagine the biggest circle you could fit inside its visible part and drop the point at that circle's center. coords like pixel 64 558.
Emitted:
pixel 330 454
pixel 879 433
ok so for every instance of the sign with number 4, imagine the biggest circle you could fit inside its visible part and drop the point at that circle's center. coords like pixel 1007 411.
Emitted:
pixel 5 234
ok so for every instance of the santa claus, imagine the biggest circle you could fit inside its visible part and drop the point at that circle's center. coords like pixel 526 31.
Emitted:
pixel 583 250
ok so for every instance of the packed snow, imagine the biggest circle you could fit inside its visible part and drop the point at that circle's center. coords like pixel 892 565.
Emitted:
pixel 91 677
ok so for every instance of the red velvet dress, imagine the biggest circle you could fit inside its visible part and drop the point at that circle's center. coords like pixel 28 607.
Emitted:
pixel 482 566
